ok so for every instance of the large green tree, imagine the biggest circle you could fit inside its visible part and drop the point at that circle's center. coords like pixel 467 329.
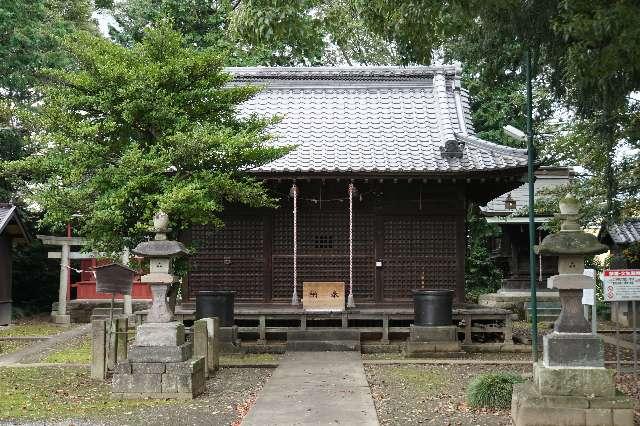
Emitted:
pixel 126 132
pixel 585 55
pixel 30 34
pixel 262 32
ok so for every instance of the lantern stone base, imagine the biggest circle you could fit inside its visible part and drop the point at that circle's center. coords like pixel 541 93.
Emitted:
pixel 180 380
pixel 159 365
pixel 427 339
pixel 573 350
pixel 61 319
pixel 531 408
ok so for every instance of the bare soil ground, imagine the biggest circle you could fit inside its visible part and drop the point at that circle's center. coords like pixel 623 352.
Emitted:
pixel 435 394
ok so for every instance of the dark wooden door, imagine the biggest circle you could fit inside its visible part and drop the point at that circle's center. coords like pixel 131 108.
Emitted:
pixel 417 251
pixel 323 248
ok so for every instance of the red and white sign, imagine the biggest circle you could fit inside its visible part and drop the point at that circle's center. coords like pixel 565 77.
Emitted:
pixel 621 285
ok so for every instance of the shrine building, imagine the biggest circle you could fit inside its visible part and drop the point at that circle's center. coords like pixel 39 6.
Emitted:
pixel 374 194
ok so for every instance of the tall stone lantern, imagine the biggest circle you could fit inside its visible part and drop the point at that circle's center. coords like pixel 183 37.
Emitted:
pixel 159 364
pixel 571 386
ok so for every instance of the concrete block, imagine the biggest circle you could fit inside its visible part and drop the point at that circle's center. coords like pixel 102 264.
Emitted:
pixel 200 342
pixel 160 334
pixel 620 401
pixel 61 319
pixel 213 349
pixel 160 353
pixel 418 333
pixel 323 345
pixel 98 349
pixel 599 417
pixel 128 383
pixel 189 366
pixel 448 346
pixel 588 382
pixel 573 350
pixel 147 367
pixel 122 368
pixel 623 417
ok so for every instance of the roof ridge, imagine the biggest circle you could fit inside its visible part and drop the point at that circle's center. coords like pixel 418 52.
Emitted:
pixel 345 72
pixel 474 140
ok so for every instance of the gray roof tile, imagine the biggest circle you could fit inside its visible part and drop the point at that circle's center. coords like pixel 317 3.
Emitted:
pixel 370 119
pixel 627 232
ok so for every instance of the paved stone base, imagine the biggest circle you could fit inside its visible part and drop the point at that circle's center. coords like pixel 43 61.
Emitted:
pixel 183 380
pixel 530 408
pixel 323 340
pixel 573 350
pixel 311 388
pixel 421 333
pixel 416 349
pixel 586 381
pixel 61 319
pixel 160 334
pixel 160 353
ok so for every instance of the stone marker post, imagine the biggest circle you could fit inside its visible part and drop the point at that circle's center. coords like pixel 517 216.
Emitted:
pixel 571 386
pixel 213 351
pixel 159 365
pixel 98 349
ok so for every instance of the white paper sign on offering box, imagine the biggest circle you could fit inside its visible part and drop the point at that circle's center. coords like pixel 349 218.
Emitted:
pixel 621 285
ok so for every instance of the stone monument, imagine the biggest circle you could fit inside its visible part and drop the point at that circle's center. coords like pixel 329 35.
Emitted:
pixel 571 386
pixel 160 365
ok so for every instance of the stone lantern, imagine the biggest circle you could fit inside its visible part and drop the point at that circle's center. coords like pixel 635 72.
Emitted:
pixel 571 385
pixel 160 364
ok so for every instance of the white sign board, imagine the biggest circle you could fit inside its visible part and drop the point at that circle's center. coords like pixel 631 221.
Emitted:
pixel 621 285
pixel 588 293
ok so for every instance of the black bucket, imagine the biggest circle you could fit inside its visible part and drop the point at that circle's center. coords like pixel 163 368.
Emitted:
pixel 433 307
pixel 216 304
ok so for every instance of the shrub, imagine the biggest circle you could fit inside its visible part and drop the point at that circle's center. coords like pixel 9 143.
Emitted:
pixel 492 390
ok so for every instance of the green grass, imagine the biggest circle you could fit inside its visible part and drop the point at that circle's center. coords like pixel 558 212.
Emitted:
pixel 58 393
pixel 8 346
pixel 249 359
pixel 421 379
pixel 78 353
pixel 492 390
pixel 31 329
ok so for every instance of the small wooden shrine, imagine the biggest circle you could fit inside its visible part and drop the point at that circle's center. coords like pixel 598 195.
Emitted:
pixel 375 193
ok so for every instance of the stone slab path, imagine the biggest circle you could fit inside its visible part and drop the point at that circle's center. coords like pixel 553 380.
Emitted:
pixel 315 388
pixel 34 352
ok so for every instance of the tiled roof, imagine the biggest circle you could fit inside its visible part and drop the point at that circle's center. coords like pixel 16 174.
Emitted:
pixel 546 178
pixel 627 232
pixel 6 213
pixel 371 119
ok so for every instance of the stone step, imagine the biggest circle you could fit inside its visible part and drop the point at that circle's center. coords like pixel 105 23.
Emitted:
pixel 323 345
pixel 105 311
pixel 337 334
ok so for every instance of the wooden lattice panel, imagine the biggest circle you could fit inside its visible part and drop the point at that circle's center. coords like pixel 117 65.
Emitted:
pixel 418 251
pixel 230 258
pixel 323 249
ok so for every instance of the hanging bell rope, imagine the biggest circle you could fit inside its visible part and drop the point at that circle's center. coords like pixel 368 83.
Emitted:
pixel 294 194
pixel 350 302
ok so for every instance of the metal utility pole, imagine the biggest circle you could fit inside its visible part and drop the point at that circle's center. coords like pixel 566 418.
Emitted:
pixel 532 223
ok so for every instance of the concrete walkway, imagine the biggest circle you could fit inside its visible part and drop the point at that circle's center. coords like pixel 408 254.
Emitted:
pixel 315 388
pixel 33 353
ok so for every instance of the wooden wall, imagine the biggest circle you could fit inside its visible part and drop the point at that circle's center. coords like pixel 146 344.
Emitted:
pixel 416 230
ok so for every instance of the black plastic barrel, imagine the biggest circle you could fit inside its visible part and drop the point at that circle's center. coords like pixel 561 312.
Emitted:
pixel 433 307
pixel 216 304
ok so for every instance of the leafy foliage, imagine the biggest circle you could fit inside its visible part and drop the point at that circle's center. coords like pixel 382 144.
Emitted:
pixel 264 32
pixel 131 131
pixel 481 273
pixel 492 390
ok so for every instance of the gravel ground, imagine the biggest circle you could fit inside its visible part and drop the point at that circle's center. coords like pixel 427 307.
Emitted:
pixel 419 394
pixel 228 397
